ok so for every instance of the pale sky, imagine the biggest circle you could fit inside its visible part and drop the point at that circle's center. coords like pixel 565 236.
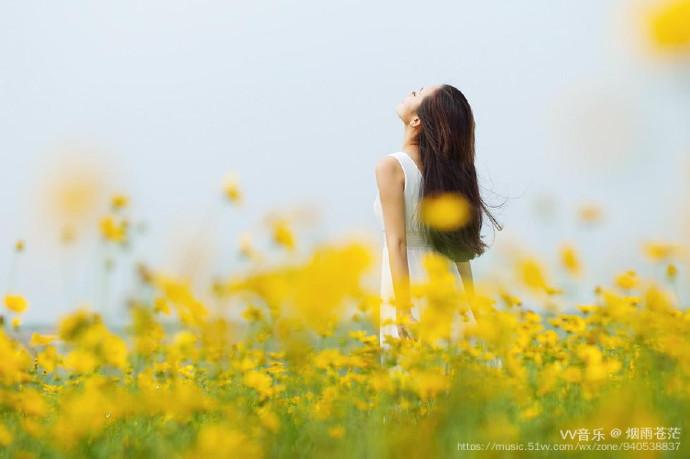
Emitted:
pixel 298 99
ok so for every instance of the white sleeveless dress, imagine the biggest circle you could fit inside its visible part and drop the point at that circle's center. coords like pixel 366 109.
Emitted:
pixel 416 249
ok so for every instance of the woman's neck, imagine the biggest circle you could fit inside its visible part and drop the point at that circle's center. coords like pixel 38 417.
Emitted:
pixel 412 149
pixel 411 146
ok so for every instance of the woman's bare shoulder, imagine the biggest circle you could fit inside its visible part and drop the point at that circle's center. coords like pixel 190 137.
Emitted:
pixel 388 167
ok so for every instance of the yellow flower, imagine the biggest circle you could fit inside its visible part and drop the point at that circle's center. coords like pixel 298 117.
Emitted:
pixel 569 322
pixel 658 300
pixel 531 411
pixel 67 234
pixel 231 189
pixel 269 419
pixel 671 271
pixel 186 371
pixel 74 326
pixel 15 361
pixel 112 230
pixel 549 377
pixel 5 436
pixel 587 308
pixel 259 381
pixel 669 25
pixel 16 303
pixel 509 299
pixel 246 247
pixel 252 314
pixel 161 305
pixel 428 384
pixel 572 375
pixel 531 274
pixel 19 246
pixel 446 211
pixel 75 188
pixel 48 358
pixel 590 354
pixel 114 349
pixel 282 234
pixel 119 201
pixel 660 251
pixel 80 361
pixel 627 280
pixel 41 340
pixel 590 213
pixel 548 338
pixel 31 403
pixel 221 441
pixel 336 432
pixel 570 260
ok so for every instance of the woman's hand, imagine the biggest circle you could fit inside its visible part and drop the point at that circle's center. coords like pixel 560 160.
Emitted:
pixel 404 319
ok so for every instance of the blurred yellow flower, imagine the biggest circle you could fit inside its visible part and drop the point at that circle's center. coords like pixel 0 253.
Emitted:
pixel 76 196
pixel 282 234
pixel 445 212
pixel 252 314
pixel 38 339
pixel 16 303
pixel 569 322
pixel 531 274
pixel 119 201
pixel 660 251
pixel 570 260
pixel 67 234
pixel 220 440
pixel 269 419
pixel 336 432
pixel 48 358
pixel 246 247
pixel 627 280
pixel 657 299
pixel 259 381
pixel 572 375
pixel 590 213
pixel 15 361
pixel 74 325
pixel 112 229
pixel 587 308
pixel 231 189
pixel 5 436
pixel 429 384
pixel 531 411
pixel 669 25
pixel 80 361
pixel 509 299
pixel 161 305
pixel 671 271
pixel 19 246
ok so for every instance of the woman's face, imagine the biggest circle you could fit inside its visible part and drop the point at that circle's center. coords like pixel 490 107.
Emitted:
pixel 407 108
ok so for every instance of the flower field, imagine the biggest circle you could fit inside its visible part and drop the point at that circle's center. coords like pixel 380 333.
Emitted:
pixel 301 373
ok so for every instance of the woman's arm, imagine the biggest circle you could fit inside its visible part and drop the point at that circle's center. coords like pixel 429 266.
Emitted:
pixel 465 270
pixel 390 180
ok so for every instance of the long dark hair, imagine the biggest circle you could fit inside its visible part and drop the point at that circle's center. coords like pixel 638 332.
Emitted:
pixel 446 147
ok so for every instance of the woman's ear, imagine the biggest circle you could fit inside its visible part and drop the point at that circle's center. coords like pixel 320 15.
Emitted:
pixel 414 122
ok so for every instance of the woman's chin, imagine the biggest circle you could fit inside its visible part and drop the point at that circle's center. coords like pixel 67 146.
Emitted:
pixel 399 111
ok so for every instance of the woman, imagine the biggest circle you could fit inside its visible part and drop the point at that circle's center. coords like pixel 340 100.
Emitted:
pixel 437 156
